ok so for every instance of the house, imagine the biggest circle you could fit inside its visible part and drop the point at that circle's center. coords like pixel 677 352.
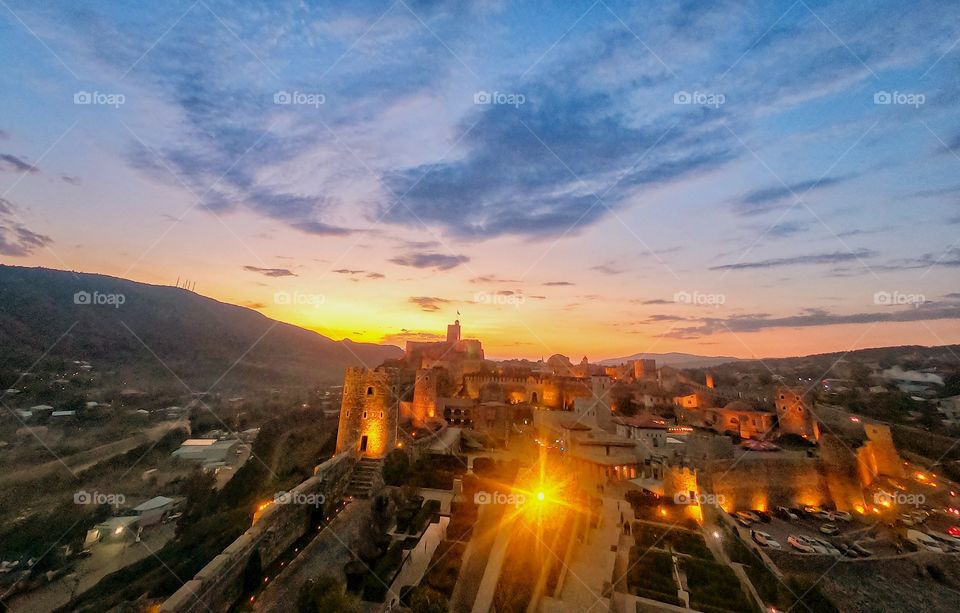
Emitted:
pixel 155 510
pixel 206 450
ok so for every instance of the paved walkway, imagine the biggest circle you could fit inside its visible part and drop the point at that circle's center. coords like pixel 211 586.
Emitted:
pixel 488 585
pixel 592 565
pixel 327 553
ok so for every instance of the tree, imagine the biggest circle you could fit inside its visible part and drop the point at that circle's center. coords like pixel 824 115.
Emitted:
pixel 325 593
pixel 424 599
pixel 396 467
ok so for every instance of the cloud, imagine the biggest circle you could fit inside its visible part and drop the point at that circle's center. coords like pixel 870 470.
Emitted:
pixel 438 261
pixel 608 268
pixel 16 240
pixel 270 272
pixel 485 279
pixel 836 257
pixel 813 318
pixel 70 180
pixel 347 271
pixel 322 229
pixel 767 199
pixel 558 283
pixel 405 335
pixel 429 303
pixel 13 163
pixel 376 275
pixel 658 301
pixel 787 228
pixel 253 305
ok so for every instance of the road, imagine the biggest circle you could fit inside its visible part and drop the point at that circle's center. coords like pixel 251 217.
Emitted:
pixel 91 457
pixel 106 558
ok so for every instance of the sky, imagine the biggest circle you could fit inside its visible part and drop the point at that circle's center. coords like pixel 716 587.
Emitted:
pixel 589 178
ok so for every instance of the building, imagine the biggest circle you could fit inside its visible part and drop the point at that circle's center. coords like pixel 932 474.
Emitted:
pixel 369 412
pixel 794 415
pixel 155 510
pixel 207 450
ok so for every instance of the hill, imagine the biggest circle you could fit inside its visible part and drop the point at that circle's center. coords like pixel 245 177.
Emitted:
pixel 162 332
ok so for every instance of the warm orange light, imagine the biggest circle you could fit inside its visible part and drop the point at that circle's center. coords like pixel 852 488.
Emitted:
pixel 540 496
pixel 663 512
pixel 859 508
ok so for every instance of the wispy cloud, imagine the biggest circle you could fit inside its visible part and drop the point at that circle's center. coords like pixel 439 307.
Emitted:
pixel 813 318
pixel 11 162
pixel 271 272
pixel 439 261
pixel 429 303
pixel 836 257
pixel 767 199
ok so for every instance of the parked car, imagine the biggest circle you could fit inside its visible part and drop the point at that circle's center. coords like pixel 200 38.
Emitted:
pixel 828 546
pixel 829 529
pixel 786 514
pixel 753 516
pixel 744 519
pixel 824 515
pixel 954 531
pixel 799 545
pixel 762 516
pixel 843 515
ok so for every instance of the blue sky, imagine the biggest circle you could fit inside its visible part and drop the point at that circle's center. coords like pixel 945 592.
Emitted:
pixel 407 159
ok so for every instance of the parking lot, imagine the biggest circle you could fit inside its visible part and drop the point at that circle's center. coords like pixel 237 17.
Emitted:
pixel 874 537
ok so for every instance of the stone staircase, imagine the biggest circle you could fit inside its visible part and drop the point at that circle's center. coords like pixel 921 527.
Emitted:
pixel 366 478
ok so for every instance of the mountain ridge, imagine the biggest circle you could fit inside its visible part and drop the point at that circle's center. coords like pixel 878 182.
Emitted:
pixel 121 323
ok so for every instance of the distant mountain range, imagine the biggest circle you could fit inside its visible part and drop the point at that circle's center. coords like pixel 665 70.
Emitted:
pixel 676 360
pixel 162 331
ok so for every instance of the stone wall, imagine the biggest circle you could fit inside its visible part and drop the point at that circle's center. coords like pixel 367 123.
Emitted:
pixel 219 584
pixel 767 481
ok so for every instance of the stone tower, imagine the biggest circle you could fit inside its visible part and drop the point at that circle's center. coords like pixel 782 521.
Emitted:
pixel 794 415
pixel 453 332
pixel 369 413
pixel 424 396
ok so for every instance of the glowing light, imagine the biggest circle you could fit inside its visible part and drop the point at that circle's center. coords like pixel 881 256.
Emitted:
pixel 859 508
pixel 541 496
pixel 118 530
pixel 663 512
